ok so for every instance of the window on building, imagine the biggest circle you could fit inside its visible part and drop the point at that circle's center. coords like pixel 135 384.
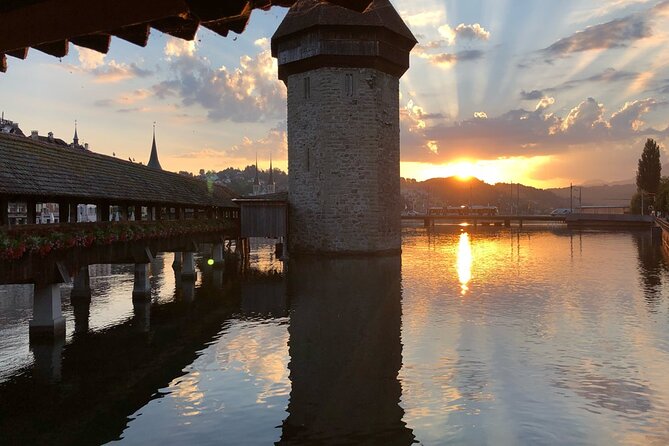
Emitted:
pixel 348 85
pixel 308 159
pixel 307 87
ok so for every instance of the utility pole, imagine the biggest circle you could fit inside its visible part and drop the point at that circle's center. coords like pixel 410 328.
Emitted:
pixel 571 198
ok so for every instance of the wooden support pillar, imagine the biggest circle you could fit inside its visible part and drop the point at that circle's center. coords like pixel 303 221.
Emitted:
pixel 520 223
pixel 188 271
pixel 507 223
pixel 217 255
pixel 82 285
pixel 31 211
pixel 4 211
pixel 142 287
pixel 103 212
pixel 188 290
pixel 123 212
pixel 47 321
pixel 178 261
pixel 63 212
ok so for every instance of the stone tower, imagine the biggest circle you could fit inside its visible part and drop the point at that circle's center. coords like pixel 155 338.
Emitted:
pixel 342 70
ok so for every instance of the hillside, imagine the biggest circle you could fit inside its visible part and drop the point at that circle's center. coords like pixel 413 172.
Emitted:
pixel 451 191
pixel 614 194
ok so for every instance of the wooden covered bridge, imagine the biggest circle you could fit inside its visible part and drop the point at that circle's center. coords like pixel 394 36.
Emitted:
pixel 35 172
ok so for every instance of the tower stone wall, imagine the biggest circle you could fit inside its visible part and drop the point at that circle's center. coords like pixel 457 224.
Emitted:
pixel 342 70
pixel 343 161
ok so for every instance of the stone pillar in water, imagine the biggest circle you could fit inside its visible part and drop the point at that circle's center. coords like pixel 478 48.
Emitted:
pixel 342 70
pixel 142 287
pixel 47 321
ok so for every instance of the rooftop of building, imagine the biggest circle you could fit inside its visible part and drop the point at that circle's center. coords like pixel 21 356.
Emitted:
pixel 33 168
pixel 306 14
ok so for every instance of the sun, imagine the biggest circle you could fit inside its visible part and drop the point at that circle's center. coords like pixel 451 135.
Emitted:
pixel 463 170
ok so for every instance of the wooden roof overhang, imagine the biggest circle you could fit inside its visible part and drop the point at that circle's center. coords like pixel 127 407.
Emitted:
pixel 48 173
pixel 50 25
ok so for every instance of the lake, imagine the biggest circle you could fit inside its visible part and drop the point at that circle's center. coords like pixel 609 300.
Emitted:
pixel 473 336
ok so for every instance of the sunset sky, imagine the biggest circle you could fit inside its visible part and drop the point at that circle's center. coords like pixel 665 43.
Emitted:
pixel 541 92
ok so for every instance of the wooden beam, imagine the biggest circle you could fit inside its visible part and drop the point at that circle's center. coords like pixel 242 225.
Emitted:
pixel 357 5
pixel 137 34
pixel 183 28
pixel 56 49
pixel 56 20
pixel 21 53
pixel 207 10
pixel 3 63
pixel 97 42
pixel 236 24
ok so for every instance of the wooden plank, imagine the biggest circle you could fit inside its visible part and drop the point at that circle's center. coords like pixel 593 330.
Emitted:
pixel 21 53
pixel 56 20
pixel 183 28
pixel 57 49
pixel 3 63
pixel 96 42
pixel 137 34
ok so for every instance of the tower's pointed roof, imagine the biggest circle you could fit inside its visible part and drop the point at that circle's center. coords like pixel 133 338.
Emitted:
pixel 306 14
pixel 153 161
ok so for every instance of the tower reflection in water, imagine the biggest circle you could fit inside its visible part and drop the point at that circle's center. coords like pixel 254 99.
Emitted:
pixel 345 352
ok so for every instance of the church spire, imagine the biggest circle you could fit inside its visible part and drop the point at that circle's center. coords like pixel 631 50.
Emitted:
pixel 271 186
pixel 256 180
pixel 153 161
pixel 75 140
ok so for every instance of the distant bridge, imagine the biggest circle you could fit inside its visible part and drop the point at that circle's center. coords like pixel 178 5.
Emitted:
pixel 573 220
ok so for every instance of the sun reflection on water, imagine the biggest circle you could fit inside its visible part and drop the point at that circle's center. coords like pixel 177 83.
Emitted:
pixel 464 262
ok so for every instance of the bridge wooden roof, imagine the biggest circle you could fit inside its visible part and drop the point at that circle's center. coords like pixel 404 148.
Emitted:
pixel 48 172
pixel 50 25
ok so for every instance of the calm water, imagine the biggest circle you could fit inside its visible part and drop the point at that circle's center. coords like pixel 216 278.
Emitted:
pixel 496 337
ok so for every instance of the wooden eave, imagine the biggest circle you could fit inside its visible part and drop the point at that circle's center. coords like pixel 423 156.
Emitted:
pixel 50 25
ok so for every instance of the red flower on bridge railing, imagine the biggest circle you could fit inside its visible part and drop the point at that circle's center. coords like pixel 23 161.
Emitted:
pixel 19 241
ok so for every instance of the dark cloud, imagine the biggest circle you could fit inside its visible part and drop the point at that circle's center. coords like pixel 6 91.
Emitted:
pixel 527 133
pixel 533 95
pixel 613 34
pixel 114 72
pixel 103 103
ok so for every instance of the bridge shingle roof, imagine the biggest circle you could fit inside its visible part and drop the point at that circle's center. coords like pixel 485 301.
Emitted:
pixel 29 168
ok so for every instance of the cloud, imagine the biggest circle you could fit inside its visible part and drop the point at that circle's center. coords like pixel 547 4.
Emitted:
pixel 527 133
pixel 178 47
pixel 545 102
pixel 125 99
pixel 275 143
pixel 531 95
pixel 251 92
pixel 447 60
pixel 89 59
pixel 116 72
pixel 467 32
pixel 613 34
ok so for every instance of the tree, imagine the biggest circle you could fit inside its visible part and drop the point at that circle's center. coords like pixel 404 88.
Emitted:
pixel 662 197
pixel 649 171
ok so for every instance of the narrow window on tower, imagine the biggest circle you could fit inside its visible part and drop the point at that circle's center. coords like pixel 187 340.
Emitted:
pixel 348 84
pixel 307 87
pixel 308 160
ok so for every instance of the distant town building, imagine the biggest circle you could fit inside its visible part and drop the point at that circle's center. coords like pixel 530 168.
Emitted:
pixel 7 126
